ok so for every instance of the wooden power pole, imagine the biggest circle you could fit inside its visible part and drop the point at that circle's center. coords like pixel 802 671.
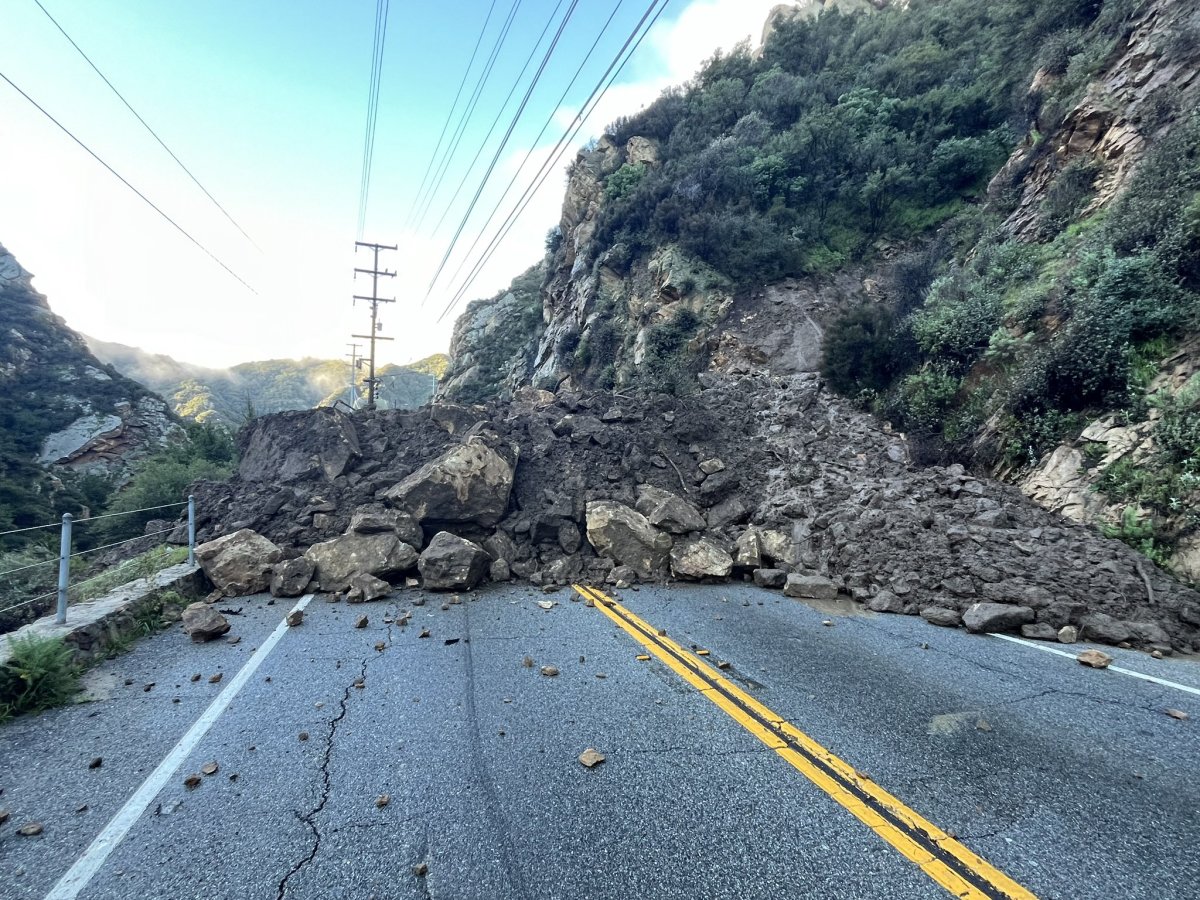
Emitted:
pixel 354 364
pixel 376 273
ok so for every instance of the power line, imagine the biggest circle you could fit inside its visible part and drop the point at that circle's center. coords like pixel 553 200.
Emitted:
pixel 382 8
pixel 556 154
pixel 122 179
pixel 444 165
pixel 499 114
pixel 549 121
pixel 450 113
pixel 503 143
pixel 145 124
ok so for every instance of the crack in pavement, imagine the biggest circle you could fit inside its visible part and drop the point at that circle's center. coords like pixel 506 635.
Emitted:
pixel 1080 695
pixel 309 818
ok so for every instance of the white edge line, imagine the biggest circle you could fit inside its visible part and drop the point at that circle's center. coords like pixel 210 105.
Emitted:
pixel 86 867
pixel 1132 674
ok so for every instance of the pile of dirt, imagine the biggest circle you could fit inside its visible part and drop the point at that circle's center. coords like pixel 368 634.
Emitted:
pixel 757 476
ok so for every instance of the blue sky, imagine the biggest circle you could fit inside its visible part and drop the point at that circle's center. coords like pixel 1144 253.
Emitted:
pixel 265 101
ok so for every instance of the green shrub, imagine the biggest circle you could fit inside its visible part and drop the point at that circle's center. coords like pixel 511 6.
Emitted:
pixel 958 320
pixel 623 182
pixel 39 674
pixel 1141 536
pixel 667 365
pixel 860 351
pixel 924 399
pixel 1070 191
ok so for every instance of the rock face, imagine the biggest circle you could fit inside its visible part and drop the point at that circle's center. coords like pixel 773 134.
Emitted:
pixel 468 484
pixel 700 558
pixel 627 538
pixel 451 563
pixel 203 623
pixel 71 413
pixel 337 561
pixel 240 563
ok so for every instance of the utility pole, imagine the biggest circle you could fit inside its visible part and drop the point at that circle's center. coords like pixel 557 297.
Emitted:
pixel 354 364
pixel 376 273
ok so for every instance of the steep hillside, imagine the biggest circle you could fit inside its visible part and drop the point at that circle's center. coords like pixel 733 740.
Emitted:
pixel 225 396
pixel 69 424
pixel 980 221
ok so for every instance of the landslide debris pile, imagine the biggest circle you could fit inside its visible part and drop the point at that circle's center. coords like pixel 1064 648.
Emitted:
pixel 751 477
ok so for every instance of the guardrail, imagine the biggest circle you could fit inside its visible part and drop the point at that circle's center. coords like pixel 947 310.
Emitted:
pixel 65 555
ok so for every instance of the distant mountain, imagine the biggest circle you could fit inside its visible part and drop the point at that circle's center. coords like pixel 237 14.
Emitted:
pixel 225 396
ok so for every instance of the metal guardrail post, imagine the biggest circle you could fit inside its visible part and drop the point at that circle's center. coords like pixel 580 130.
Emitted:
pixel 64 568
pixel 191 530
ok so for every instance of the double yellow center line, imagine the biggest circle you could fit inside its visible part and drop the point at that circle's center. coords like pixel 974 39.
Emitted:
pixel 939 855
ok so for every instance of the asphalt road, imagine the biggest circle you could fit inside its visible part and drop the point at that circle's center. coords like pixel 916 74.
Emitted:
pixel 1070 782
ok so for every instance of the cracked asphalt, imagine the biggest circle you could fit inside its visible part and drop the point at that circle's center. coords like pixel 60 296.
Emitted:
pixel 1073 782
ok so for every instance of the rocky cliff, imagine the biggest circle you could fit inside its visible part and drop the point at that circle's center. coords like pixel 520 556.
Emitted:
pixel 989 326
pixel 65 414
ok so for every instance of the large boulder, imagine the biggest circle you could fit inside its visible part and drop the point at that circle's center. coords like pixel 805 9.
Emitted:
pixel 747 552
pixel 778 548
pixel 810 587
pixel 451 563
pixel 625 536
pixel 203 622
pixel 364 588
pixel 291 577
pixel 339 560
pixel 377 520
pixel 299 446
pixel 467 484
pixel 239 563
pixel 996 617
pixel 668 511
pixel 700 558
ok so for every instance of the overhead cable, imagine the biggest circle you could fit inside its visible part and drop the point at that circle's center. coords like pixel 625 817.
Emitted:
pixel 382 8
pixel 125 182
pixel 560 148
pixel 500 149
pixel 448 157
pixel 499 115
pixel 533 147
pixel 450 113
pixel 145 124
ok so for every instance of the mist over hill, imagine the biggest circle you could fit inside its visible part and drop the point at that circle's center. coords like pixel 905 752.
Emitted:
pixel 227 396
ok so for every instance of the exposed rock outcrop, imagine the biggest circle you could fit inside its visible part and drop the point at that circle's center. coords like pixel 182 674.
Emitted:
pixel 70 412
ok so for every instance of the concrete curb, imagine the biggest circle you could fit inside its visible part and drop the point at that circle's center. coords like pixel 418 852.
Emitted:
pixel 92 627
